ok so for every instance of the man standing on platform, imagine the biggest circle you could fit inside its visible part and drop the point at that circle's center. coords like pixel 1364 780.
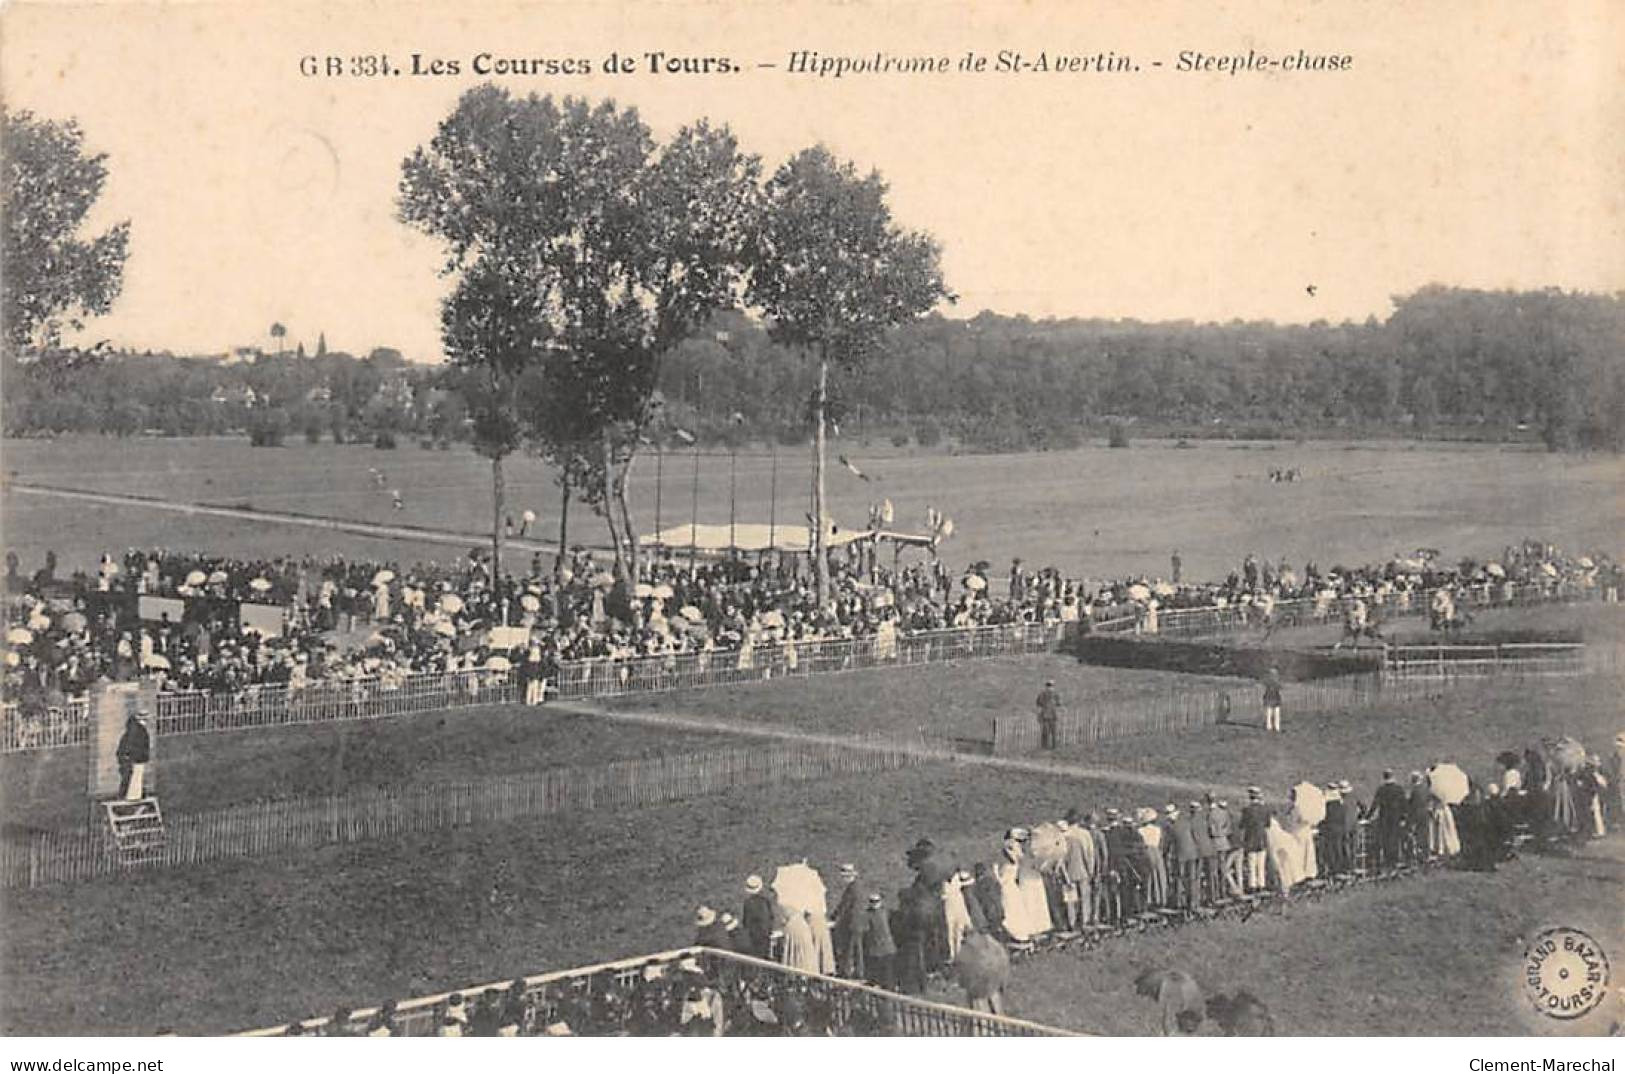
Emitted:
pixel 1389 806
pixel 1049 715
pixel 1207 868
pixel 134 751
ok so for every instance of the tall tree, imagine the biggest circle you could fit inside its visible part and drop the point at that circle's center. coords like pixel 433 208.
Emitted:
pixel 52 277
pixel 619 247
pixel 833 273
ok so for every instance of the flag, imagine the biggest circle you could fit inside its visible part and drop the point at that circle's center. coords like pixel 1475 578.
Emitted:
pixel 857 473
pixel 683 435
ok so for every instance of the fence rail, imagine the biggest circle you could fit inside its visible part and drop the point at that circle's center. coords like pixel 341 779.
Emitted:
pixel 848 1002
pixel 271 705
pixel 270 827
pixel 1185 710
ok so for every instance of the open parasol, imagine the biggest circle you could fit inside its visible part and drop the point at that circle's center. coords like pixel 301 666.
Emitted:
pixel 643 591
pixel 19 636
pixel 1569 754
pixel 73 621
pixel 260 585
pixel 196 578
pixel 446 628
pixel 1047 845
pixel 799 888
pixel 217 577
pixel 1308 803
pixel 691 613
pixel 498 663
pixel 383 577
pixel 1449 784
pixel 975 583
pixel 155 661
pixel 530 602
pixel 1496 569
pixel 663 591
pixel 603 580
pixel 1139 592
pixel 1164 589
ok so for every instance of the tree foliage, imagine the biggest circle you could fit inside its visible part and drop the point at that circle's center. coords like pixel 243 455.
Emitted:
pixel 53 277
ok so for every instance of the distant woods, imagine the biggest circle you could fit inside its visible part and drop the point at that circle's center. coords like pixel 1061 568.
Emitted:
pixel 1446 362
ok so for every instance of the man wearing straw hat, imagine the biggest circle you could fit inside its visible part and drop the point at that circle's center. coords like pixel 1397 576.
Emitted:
pixel 847 941
pixel 757 918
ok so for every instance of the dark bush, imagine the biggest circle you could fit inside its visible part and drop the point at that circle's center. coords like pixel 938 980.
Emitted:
pixel 899 440
pixel 384 441
pixel 928 434
pixel 1117 435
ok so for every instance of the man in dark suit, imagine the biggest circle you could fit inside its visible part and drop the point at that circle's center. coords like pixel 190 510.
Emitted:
pixel 848 944
pixel 709 931
pixel 1179 848
pixel 1389 807
pixel 1331 831
pixel 134 748
pixel 1207 867
pixel 1419 816
pixel 757 918
pixel 1255 823
pixel 1049 715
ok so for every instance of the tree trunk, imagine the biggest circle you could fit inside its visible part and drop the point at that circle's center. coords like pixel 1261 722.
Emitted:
pixel 609 505
pixel 564 527
pixel 499 495
pixel 627 528
pixel 820 506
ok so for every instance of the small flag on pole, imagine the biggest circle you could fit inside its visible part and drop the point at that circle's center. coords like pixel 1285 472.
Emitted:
pixel 857 473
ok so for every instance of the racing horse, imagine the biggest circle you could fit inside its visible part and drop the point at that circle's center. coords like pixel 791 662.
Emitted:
pixel 1358 622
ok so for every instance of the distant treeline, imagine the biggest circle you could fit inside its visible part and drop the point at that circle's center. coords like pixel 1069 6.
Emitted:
pixel 1446 362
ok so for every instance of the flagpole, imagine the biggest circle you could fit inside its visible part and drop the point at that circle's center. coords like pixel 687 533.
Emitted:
pixel 660 460
pixel 694 525
pixel 733 470
pixel 773 500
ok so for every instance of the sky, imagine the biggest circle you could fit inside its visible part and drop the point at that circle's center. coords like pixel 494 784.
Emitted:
pixel 1472 143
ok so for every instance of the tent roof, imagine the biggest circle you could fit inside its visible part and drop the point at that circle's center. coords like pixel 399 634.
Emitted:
pixel 759 537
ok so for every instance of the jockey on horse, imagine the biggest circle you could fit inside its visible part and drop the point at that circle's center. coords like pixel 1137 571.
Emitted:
pixel 1357 624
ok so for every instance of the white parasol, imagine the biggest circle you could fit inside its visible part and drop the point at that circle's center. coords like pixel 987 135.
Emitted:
pixel 1549 569
pixel 1569 754
pixel 691 613
pixel 196 578
pixel 260 585
pixel 1449 784
pixel 19 636
pixel 383 577
pixel 528 515
pixel 1309 803
pixel 975 583
pixel 74 621
pixel 154 660
pixel 1496 569
pixel 1587 562
pixel 446 628
pixel 664 591
pixel 800 888
pixel 499 663
pixel 451 603
pixel 1139 592
pixel 643 591
pixel 1164 589
pixel 217 577
pixel 1047 845
pixel 603 580
pixel 530 602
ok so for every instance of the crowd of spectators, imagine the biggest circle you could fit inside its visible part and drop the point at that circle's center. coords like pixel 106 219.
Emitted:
pixel 1098 873
pixel 1104 872
pixel 193 621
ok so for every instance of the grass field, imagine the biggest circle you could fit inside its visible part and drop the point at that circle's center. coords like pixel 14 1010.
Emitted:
pixel 199 772
pixel 417 914
pixel 1094 512
pixel 956 699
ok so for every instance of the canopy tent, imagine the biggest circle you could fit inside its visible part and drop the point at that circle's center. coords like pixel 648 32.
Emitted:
pixel 761 537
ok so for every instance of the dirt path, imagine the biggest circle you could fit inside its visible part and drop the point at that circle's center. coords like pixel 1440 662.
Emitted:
pixel 1058 769
pixel 364 529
